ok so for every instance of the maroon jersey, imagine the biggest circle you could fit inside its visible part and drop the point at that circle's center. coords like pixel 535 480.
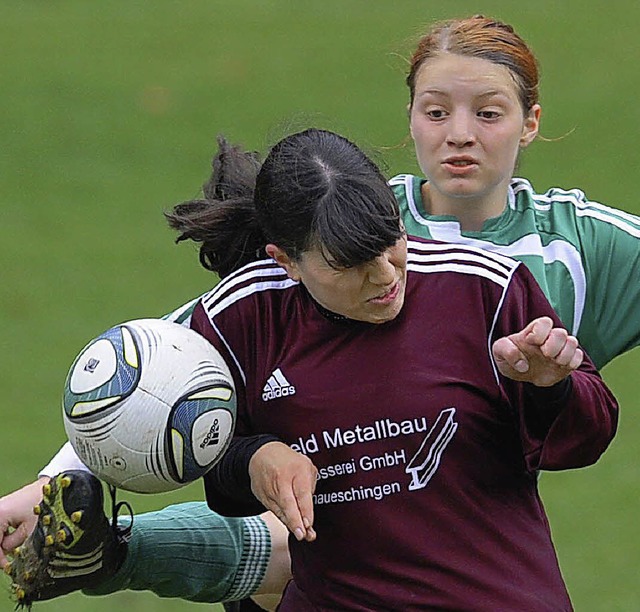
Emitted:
pixel 427 495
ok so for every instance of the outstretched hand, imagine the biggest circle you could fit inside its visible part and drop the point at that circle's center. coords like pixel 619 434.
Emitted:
pixel 540 354
pixel 284 481
pixel 17 519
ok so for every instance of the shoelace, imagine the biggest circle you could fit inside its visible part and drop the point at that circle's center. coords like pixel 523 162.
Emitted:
pixel 120 531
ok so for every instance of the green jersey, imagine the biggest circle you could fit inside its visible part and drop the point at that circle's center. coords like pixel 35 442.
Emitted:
pixel 585 256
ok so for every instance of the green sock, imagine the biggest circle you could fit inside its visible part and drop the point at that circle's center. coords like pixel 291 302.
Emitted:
pixel 190 552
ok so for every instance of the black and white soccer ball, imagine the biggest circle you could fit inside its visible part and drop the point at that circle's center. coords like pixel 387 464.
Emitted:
pixel 149 406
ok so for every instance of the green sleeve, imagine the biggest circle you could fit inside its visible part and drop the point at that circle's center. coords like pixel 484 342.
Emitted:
pixel 610 244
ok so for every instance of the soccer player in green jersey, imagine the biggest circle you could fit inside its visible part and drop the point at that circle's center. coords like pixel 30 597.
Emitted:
pixel 473 107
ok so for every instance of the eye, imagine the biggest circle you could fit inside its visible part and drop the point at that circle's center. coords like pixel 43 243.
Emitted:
pixel 435 113
pixel 488 114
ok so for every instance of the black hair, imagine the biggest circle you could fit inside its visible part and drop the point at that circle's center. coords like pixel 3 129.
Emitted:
pixel 314 189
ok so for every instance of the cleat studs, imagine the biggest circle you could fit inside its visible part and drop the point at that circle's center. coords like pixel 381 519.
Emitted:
pixel 20 594
pixel 48 541
pixel 61 536
pixel 27 576
pixel 16 552
pixel 46 520
pixel 65 482
pixel 76 516
pixel 46 489
pixel 7 569
pixel 37 509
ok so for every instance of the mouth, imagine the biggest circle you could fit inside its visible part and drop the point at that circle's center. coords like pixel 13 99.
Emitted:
pixel 460 165
pixel 388 296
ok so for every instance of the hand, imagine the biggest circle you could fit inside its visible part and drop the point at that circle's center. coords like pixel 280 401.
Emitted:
pixel 284 481
pixel 16 512
pixel 539 354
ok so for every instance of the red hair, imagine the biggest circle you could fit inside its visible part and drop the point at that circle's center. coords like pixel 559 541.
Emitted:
pixel 485 38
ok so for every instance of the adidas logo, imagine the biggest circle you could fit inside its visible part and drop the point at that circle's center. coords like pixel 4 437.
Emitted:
pixel 213 437
pixel 277 386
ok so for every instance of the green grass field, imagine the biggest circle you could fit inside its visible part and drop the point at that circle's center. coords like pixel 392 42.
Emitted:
pixel 108 116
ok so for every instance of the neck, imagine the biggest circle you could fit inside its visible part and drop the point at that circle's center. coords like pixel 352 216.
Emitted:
pixel 471 212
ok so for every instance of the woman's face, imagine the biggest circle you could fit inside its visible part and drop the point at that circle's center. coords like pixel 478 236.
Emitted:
pixel 468 125
pixel 372 292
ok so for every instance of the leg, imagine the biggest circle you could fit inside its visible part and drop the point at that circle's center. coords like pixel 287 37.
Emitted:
pixel 218 558
pixel 189 552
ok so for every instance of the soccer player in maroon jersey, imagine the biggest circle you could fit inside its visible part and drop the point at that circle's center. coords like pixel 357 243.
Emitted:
pixel 396 397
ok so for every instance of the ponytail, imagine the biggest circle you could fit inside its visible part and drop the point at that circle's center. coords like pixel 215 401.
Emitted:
pixel 224 221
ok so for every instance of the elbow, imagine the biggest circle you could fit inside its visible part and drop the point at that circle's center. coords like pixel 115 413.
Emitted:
pixel 586 440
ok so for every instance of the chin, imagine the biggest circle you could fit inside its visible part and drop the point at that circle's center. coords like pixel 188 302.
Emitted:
pixel 390 313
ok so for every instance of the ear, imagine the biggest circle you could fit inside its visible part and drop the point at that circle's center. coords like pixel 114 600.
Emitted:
pixel 409 117
pixel 284 261
pixel 531 126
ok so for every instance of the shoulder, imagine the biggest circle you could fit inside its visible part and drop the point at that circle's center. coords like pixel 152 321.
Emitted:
pixel 550 199
pixel 428 256
pixel 559 203
pixel 262 279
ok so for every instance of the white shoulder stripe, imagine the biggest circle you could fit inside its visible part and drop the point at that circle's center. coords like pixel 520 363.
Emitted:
pixel 618 221
pixel 456 250
pixel 467 258
pixel 243 275
pixel 216 307
pixel 474 270
pixel 625 221
pixel 399 179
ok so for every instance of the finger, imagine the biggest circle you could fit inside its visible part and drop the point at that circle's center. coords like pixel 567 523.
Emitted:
pixel 16 538
pixel 555 343
pixel 577 359
pixel 285 507
pixel 311 534
pixel 304 498
pixel 567 350
pixel 506 352
pixel 537 332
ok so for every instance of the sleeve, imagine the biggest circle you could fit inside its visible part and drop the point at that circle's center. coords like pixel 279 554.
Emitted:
pixel 610 247
pixel 566 426
pixel 65 459
pixel 228 485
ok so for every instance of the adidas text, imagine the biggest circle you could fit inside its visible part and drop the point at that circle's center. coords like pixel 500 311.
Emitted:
pixel 277 386
pixel 279 392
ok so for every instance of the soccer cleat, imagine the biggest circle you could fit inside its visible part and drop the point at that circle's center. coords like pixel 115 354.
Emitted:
pixel 73 545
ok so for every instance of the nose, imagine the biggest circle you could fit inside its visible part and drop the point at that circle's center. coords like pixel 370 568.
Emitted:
pixel 461 132
pixel 381 271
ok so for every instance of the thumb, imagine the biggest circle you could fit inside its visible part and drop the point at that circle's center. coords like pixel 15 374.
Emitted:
pixel 507 353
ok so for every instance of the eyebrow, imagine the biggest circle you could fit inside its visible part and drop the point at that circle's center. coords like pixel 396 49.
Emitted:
pixel 492 93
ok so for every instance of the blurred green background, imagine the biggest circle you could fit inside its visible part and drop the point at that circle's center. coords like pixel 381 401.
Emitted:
pixel 108 115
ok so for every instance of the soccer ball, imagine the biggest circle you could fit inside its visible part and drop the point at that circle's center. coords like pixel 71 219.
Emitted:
pixel 149 406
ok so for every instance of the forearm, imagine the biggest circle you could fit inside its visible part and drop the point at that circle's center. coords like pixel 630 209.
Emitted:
pixel 228 485
pixel 568 426
pixel 583 427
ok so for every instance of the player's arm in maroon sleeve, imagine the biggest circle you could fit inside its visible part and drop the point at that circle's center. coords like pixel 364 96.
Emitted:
pixel 569 422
